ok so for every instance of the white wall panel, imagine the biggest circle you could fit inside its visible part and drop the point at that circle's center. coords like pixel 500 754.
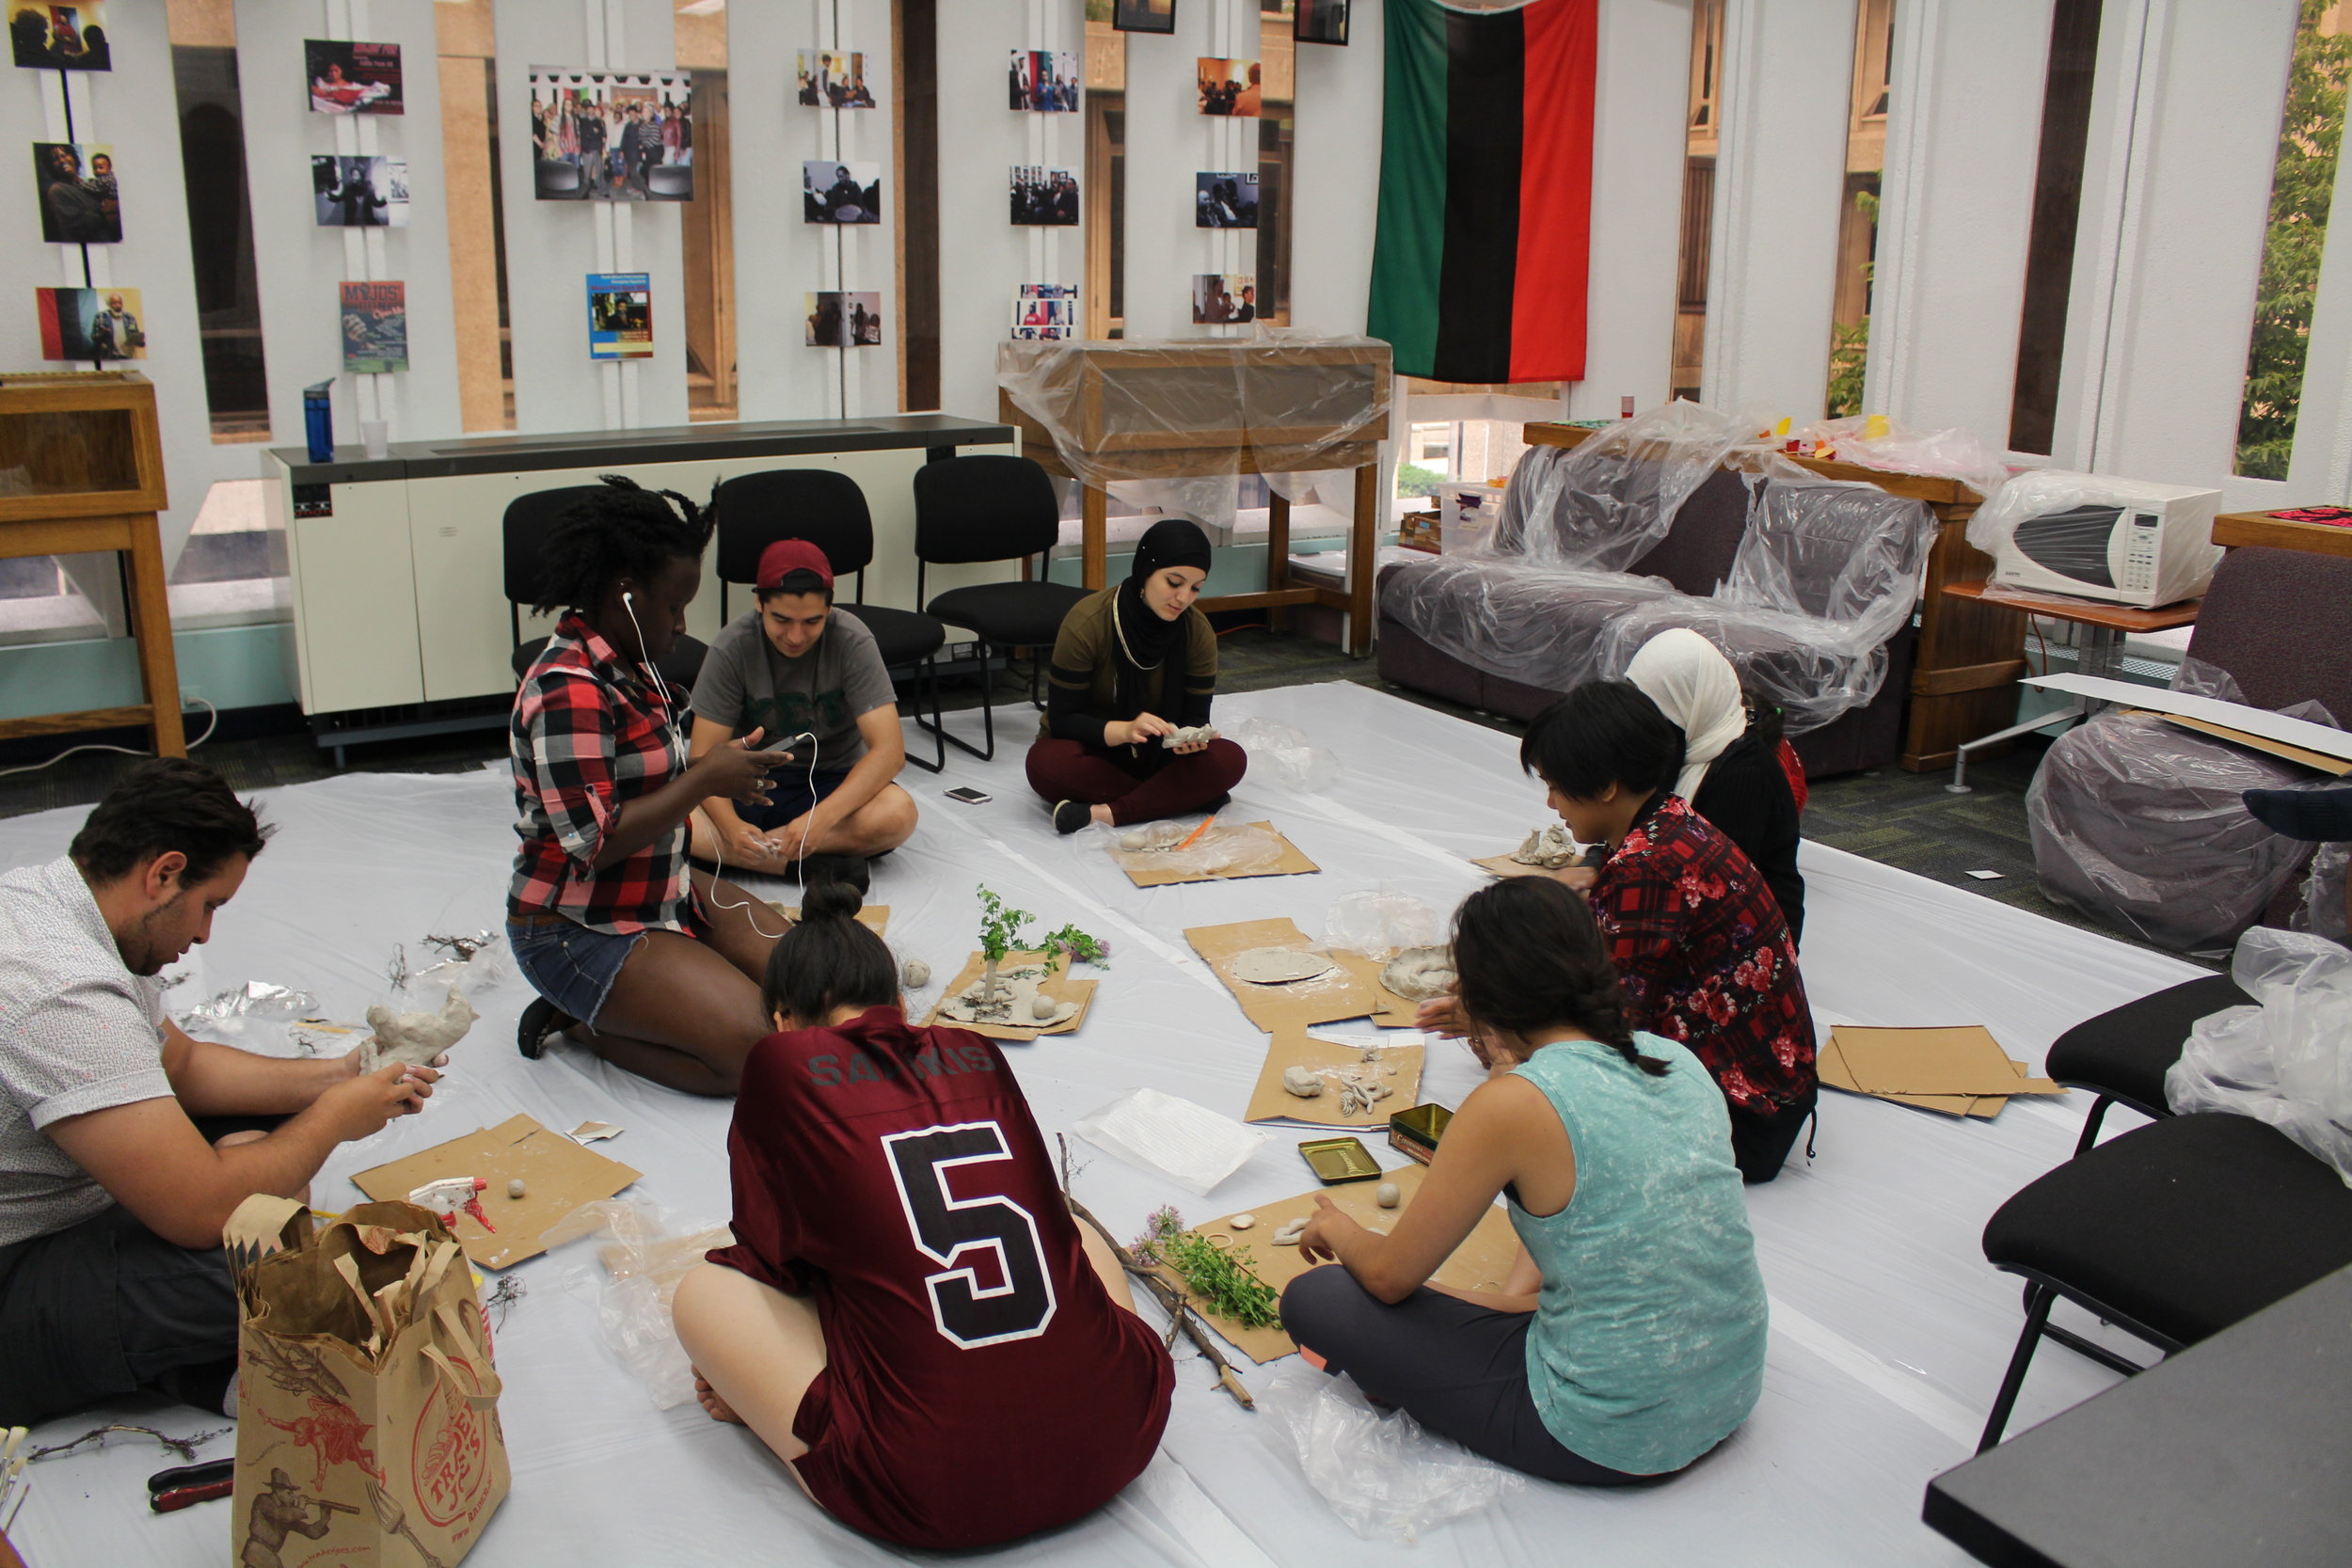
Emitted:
pixel 1335 199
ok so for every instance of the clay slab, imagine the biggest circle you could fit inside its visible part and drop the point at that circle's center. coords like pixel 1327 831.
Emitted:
pixel 1061 986
pixel 1270 1102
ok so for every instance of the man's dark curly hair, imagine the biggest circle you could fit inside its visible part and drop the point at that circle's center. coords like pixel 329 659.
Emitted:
pixel 621 531
pixel 162 804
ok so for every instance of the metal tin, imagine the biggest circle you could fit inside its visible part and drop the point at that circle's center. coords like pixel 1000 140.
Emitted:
pixel 1336 1160
pixel 1415 1133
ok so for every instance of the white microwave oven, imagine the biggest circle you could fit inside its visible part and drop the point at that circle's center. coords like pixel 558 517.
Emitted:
pixel 2096 536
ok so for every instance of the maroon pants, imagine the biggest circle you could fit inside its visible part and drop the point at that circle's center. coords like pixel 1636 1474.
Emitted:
pixel 1073 771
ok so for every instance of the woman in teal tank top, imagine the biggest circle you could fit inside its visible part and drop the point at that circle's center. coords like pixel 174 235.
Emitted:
pixel 1630 1338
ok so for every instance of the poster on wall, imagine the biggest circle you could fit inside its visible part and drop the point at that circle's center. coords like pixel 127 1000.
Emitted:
pixel 348 78
pixel 1224 299
pixel 79 204
pixel 360 193
pixel 1143 16
pixel 620 316
pixel 375 327
pixel 59 38
pixel 1045 80
pixel 1045 310
pixel 844 319
pixel 1320 22
pixel 840 193
pixel 1043 198
pixel 612 136
pixel 1225 200
pixel 1228 87
pixel 89 325
pixel 833 79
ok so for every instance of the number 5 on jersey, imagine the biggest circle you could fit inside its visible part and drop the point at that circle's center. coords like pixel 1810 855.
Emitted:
pixel 947 1229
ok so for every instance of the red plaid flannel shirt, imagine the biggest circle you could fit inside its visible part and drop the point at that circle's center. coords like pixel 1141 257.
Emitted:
pixel 1704 958
pixel 589 732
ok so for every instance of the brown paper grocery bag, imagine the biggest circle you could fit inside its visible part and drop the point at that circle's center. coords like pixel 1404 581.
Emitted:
pixel 368 1429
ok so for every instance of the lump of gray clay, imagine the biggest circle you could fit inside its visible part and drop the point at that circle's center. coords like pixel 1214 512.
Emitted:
pixel 1386 1196
pixel 1419 974
pixel 1042 1007
pixel 1301 1082
pixel 415 1038
pixel 1136 839
pixel 916 974
pixel 1242 1222
pixel 1277 966
pixel 1290 1232
pixel 1188 735
pixel 516 1188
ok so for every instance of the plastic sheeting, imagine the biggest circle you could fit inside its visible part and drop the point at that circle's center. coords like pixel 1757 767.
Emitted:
pixel 2286 1060
pixel 1297 399
pixel 1890 1332
pixel 2140 823
pixel 1826 573
pixel 2183 569
pixel 1874 441
pixel 1603 505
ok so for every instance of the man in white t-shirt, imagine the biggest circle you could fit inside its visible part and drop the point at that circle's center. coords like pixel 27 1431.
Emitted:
pixel 121 1151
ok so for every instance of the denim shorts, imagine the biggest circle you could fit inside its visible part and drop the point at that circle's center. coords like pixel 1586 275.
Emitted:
pixel 570 965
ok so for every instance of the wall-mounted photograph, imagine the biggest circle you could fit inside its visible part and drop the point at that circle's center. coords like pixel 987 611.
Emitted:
pixel 833 192
pixel 349 78
pixel 79 204
pixel 1045 310
pixel 1320 22
pixel 1143 16
pixel 612 136
pixel 1224 299
pixel 85 325
pixel 1225 200
pixel 375 327
pixel 843 320
pixel 59 38
pixel 360 193
pixel 1228 87
pixel 1044 197
pixel 620 316
pixel 833 79
pixel 1045 80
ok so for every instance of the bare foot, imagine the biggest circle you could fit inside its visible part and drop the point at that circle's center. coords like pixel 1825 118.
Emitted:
pixel 1102 814
pixel 712 1404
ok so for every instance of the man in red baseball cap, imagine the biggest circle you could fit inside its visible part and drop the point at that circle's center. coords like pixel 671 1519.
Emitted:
pixel 793 667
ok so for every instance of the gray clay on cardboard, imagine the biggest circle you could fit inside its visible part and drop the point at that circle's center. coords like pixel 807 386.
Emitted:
pixel 1015 1006
pixel 1386 1196
pixel 1277 966
pixel 1550 848
pixel 516 1188
pixel 1419 974
pixel 916 974
pixel 1153 836
pixel 1290 1232
pixel 1242 1222
pixel 1300 1081
pixel 415 1038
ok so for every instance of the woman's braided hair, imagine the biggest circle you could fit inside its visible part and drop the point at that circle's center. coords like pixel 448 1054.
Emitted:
pixel 1530 958
pixel 621 531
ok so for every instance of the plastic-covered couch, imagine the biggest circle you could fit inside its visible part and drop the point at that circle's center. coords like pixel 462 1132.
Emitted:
pixel 2139 823
pixel 1807 584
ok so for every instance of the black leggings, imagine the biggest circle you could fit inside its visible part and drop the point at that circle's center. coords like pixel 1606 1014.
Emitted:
pixel 1760 1144
pixel 1458 1368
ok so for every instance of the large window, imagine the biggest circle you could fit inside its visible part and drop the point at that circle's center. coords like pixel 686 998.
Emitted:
pixel 2057 198
pixel 221 218
pixel 1699 143
pixel 1858 216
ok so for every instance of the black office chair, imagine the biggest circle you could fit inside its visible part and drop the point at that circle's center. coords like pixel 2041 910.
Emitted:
pixel 991 508
pixel 825 507
pixel 556 181
pixel 2171 1232
pixel 525 529
pixel 2123 1053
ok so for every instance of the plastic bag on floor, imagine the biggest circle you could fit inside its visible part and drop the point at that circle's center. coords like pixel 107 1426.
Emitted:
pixel 1223 849
pixel 2325 911
pixel 1382 1473
pixel 643 1260
pixel 2287 1060
pixel 1283 757
pixel 1378 923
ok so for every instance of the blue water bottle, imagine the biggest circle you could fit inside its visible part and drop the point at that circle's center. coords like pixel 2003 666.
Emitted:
pixel 318 420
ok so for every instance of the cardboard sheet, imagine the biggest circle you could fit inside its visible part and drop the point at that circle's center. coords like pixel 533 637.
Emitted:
pixel 1143 873
pixel 2280 749
pixel 2232 716
pixel 1349 991
pixel 1482 1262
pixel 1059 985
pixel 1504 865
pixel 559 1175
pixel 1956 1071
pixel 1270 1102
pixel 874 917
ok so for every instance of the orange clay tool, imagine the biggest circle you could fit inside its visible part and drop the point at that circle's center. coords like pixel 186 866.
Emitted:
pixel 1190 837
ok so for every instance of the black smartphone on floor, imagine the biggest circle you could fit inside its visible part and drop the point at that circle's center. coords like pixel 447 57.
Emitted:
pixel 969 796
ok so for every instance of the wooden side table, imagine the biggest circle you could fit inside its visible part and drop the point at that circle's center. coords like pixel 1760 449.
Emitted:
pixel 2105 624
pixel 92 459
pixel 2232 529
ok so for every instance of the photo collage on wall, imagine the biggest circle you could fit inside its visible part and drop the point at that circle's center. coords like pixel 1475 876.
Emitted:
pixel 360 193
pixel 1044 80
pixel 375 327
pixel 1043 198
pixel 1045 310
pixel 620 316
pixel 835 192
pixel 843 320
pixel 833 79
pixel 612 136
pixel 59 38
pixel 348 78
pixel 79 202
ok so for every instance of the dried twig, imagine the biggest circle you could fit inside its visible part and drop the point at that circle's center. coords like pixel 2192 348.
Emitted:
pixel 1180 1312
pixel 185 1447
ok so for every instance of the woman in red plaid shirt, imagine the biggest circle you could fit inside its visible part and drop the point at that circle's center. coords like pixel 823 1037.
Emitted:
pixel 1700 948
pixel 628 957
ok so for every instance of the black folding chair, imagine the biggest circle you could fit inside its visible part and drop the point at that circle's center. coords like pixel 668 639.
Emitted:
pixel 2123 1053
pixel 827 508
pixel 991 508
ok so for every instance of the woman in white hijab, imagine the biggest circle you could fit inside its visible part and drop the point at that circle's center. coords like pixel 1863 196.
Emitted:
pixel 1730 776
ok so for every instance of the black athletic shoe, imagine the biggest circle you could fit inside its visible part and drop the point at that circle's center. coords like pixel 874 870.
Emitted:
pixel 2314 816
pixel 1219 804
pixel 1070 815
pixel 849 870
pixel 540 1019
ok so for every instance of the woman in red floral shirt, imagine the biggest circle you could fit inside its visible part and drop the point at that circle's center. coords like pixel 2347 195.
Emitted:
pixel 1700 947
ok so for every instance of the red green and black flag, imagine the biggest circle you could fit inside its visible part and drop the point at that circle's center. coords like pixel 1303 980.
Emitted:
pixel 1485 190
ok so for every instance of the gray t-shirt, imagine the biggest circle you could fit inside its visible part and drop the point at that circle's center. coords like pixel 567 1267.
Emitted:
pixel 78 1033
pixel 745 683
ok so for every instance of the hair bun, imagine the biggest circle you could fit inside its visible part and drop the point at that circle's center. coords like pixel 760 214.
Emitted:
pixel 830 898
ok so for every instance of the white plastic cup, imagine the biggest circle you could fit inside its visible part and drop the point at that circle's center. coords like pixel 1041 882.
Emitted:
pixel 375 435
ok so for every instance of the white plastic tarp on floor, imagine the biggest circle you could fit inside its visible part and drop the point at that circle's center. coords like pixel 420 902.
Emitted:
pixel 1889 1331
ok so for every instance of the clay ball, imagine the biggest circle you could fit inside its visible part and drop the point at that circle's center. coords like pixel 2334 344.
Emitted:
pixel 1386 1196
pixel 1242 1222
pixel 916 974
pixel 1136 840
pixel 1042 1007
pixel 515 1188
pixel 1301 1082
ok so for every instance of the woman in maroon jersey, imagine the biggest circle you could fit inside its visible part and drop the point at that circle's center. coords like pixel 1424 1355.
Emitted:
pixel 909 1317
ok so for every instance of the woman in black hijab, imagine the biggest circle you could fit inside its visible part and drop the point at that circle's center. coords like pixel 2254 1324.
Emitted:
pixel 1134 664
